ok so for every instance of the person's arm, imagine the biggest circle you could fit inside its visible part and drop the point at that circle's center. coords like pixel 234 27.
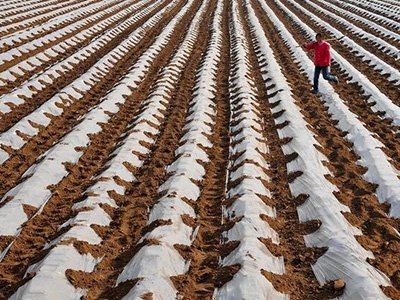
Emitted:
pixel 308 47
pixel 328 53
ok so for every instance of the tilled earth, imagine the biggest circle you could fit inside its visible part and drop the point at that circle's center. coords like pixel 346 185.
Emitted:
pixel 170 68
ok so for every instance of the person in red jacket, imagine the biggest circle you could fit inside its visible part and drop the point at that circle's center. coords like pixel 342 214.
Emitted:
pixel 322 60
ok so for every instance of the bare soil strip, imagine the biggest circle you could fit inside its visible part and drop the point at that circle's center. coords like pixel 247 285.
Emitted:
pixel 28 23
pixel 42 11
pixel 347 52
pixel 367 16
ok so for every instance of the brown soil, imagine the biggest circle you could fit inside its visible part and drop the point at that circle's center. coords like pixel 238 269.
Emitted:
pixel 120 241
pixel 43 228
pixel 42 11
pixel 381 81
pixel 382 13
pixel 18 8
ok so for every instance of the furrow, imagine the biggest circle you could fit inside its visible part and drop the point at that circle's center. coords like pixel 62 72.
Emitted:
pixel 174 149
pixel 393 3
pixel 11 10
pixel 367 57
pixel 394 6
pixel 361 90
pixel 375 9
pixel 386 58
pixel 130 220
pixel 18 4
pixel 298 280
pixel 381 5
pixel 37 231
pixel 129 223
pixel 76 90
pixel 379 101
pixel 80 232
pixel 27 8
pixel 212 76
pixel 358 135
pixel 10 2
pixel 367 213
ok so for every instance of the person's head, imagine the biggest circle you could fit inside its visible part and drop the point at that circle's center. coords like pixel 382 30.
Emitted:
pixel 319 37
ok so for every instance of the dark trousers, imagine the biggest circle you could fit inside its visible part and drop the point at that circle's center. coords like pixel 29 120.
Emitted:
pixel 325 74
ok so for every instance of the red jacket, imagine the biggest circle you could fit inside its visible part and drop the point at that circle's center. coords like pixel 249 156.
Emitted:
pixel 322 53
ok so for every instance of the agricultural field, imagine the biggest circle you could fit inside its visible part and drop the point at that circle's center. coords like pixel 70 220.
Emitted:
pixel 172 149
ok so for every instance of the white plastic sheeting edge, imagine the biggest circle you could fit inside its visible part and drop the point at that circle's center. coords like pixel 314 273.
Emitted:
pixel 374 7
pixel 390 3
pixel 26 25
pixel 20 5
pixel 81 12
pixel 20 36
pixel 12 10
pixel 36 11
pixel 247 138
pixel 52 270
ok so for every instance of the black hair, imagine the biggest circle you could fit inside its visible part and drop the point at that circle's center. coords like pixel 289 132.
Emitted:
pixel 319 34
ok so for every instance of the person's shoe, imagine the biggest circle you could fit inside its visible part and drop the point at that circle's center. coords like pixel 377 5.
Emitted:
pixel 315 92
pixel 336 81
